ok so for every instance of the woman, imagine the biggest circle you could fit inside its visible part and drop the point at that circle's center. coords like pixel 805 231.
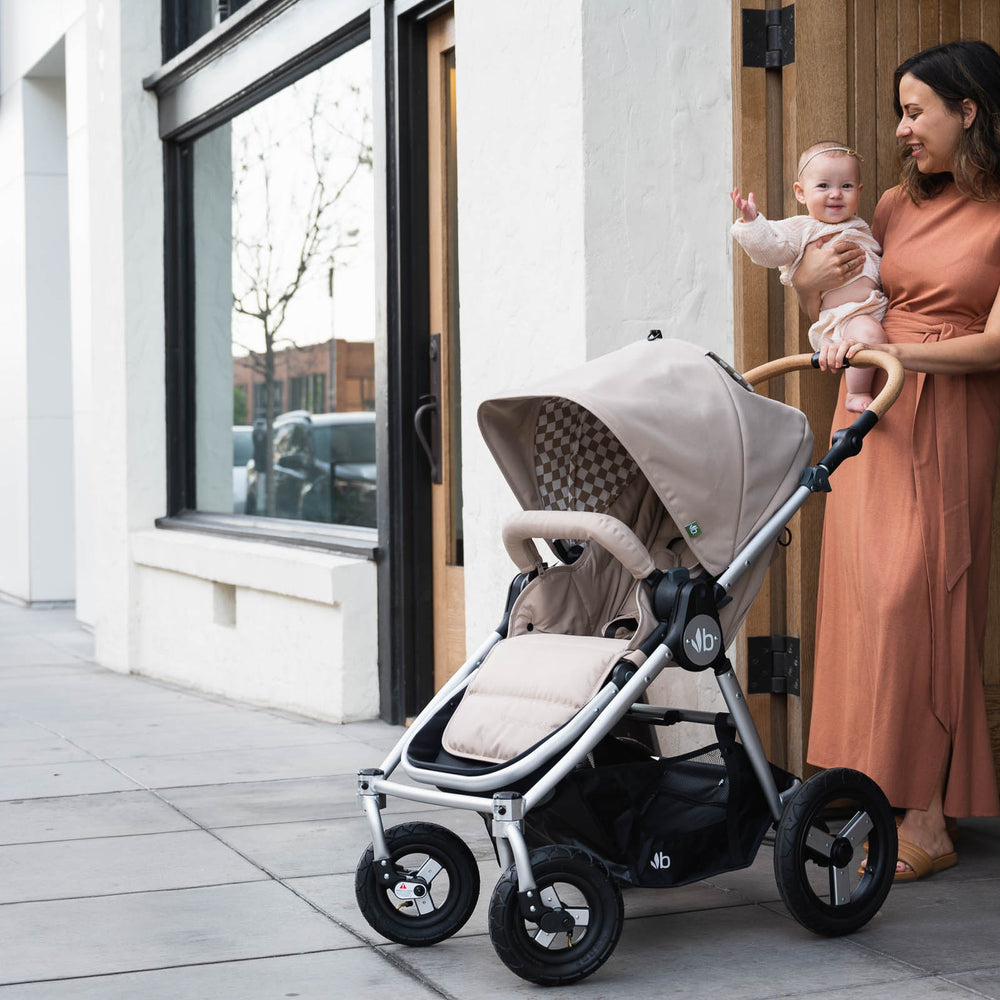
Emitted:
pixel 904 570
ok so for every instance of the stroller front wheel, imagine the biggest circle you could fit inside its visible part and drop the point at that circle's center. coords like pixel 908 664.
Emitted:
pixel 569 881
pixel 836 820
pixel 426 891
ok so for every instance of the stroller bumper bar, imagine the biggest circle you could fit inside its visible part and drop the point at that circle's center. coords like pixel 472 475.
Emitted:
pixel 607 531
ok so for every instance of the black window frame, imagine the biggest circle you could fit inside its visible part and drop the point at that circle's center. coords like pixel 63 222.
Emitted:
pixel 179 265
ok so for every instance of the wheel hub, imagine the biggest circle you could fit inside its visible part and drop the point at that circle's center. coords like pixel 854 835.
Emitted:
pixel 556 921
pixel 841 853
pixel 410 889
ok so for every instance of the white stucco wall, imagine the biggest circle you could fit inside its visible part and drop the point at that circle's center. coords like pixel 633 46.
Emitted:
pixel 594 164
pixel 522 272
pixel 126 259
pixel 657 137
pixel 81 304
pixel 36 427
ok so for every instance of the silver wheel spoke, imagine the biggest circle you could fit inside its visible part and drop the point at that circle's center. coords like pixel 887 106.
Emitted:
pixel 550 897
pixel 429 870
pixel 840 885
pixel 543 938
pixel 820 842
pixel 857 829
pixel 424 904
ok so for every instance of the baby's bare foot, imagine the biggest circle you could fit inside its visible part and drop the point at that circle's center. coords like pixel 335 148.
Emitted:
pixel 858 402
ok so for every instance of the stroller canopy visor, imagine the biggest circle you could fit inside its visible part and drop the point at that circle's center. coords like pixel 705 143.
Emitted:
pixel 720 457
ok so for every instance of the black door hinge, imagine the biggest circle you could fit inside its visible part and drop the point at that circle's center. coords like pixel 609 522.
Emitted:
pixel 773 664
pixel 769 37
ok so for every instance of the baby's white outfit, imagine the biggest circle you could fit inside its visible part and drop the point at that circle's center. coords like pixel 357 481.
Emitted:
pixel 781 244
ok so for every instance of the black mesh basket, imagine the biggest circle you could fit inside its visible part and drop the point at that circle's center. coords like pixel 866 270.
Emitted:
pixel 661 821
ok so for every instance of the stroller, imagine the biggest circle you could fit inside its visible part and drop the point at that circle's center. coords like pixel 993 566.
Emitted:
pixel 661 482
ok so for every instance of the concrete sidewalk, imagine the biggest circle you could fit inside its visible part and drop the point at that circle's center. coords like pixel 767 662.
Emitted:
pixel 156 843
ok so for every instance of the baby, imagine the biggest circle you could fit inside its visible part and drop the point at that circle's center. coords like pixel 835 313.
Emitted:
pixel 829 185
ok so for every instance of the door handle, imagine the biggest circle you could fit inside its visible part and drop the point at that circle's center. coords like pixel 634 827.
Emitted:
pixel 429 406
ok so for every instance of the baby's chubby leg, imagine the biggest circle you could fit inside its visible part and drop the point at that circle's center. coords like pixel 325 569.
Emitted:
pixel 859 380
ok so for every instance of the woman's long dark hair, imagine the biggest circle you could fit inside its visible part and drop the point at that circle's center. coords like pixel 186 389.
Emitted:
pixel 956 71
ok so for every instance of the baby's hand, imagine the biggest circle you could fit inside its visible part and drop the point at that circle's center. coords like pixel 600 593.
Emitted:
pixel 748 208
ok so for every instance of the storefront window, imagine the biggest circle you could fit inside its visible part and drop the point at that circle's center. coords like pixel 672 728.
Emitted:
pixel 284 321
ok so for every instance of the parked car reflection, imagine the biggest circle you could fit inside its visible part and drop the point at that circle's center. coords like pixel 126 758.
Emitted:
pixel 324 469
pixel 242 454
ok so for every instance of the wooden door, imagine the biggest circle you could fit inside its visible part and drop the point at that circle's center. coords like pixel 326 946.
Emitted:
pixel 442 202
pixel 837 86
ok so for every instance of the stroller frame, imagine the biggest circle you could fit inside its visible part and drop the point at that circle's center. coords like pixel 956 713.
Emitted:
pixel 684 606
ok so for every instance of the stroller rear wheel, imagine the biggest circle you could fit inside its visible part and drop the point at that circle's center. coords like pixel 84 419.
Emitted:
pixel 425 892
pixel 820 845
pixel 569 882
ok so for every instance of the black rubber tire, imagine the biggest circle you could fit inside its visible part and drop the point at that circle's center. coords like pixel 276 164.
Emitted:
pixel 453 885
pixel 583 885
pixel 820 845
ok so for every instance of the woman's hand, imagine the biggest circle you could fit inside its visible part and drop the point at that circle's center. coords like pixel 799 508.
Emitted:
pixel 824 265
pixel 832 356
pixel 827 265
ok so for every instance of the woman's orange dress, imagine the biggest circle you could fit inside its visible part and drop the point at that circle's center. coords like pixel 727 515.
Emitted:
pixel 906 540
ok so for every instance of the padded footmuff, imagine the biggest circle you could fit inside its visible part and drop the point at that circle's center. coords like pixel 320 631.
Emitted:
pixel 527 688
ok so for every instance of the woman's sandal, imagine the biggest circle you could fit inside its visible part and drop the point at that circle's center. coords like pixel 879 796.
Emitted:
pixel 921 863
pixel 930 865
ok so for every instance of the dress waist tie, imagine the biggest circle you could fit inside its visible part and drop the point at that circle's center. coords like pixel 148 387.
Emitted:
pixel 939 442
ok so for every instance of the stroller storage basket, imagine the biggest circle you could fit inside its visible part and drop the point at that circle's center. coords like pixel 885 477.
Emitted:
pixel 661 821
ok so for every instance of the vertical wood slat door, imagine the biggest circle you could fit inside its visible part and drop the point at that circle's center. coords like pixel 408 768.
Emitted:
pixel 447 571
pixel 838 87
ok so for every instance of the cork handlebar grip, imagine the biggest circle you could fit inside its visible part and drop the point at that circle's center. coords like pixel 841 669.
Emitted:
pixel 863 359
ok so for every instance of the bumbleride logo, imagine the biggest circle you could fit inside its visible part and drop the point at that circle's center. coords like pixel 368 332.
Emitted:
pixel 693 529
pixel 704 641
pixel 660 861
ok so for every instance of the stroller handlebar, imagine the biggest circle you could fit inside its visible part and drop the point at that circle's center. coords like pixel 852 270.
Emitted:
pixel 863 359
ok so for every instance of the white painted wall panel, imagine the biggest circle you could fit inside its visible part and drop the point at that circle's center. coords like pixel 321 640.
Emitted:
pixel 85 491
pixel 657 134
pixel 595 157
pixel 521 240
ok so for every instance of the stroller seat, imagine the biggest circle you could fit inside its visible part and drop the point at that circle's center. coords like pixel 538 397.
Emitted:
pixel 563 641
pixel 534 684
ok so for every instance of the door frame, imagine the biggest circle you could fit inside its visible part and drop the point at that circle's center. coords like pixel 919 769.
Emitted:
pixel 405 592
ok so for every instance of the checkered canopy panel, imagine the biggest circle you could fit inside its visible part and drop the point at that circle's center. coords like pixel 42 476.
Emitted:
pixel 580 465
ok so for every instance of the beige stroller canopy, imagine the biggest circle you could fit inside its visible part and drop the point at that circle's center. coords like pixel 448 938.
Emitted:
pixel 720 457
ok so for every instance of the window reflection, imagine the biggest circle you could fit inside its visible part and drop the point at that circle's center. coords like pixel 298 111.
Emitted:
pixel 284 214
pixel 190 19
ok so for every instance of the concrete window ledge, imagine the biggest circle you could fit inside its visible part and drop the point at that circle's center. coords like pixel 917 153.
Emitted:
pixel 288 628
pixel 306 574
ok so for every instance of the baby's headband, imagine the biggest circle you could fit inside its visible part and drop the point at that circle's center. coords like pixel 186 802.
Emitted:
pixel 831 149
